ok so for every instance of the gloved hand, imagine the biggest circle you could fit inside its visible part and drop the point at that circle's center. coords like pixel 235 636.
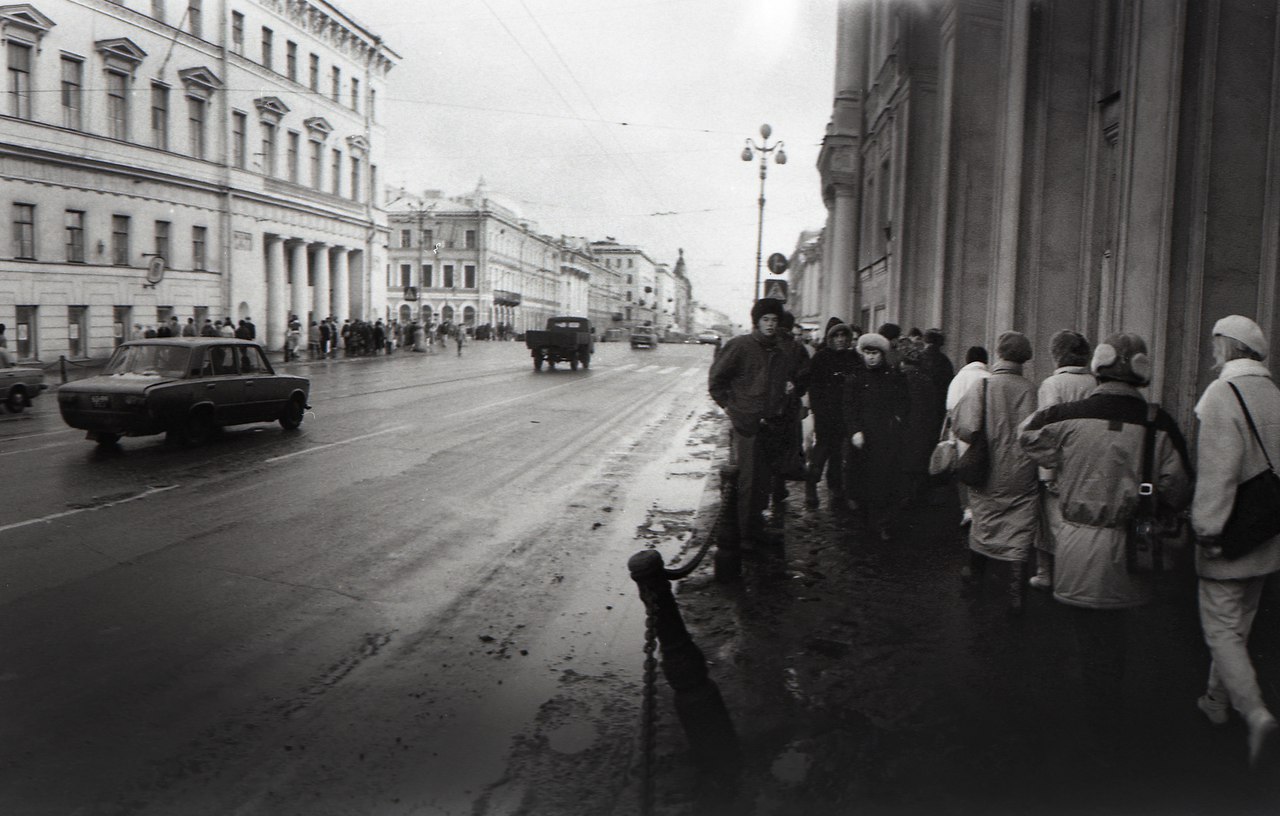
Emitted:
pixel 858 440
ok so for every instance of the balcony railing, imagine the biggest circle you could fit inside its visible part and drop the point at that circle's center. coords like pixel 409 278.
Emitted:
pixel 502 297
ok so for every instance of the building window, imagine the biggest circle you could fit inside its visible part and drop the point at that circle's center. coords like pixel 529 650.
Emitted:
pixel 336 90
pixel 24 231
pixel 426 275
pixel 291 60
pixel 317 161
pixel 291 152
pixel 75 236
pixel 120 240
pixel 428 239
pixel 237 32
pixel 355 94
pixel 471 239
pixel 406 238
pixel 199 258
pixel 268 39
pixel 373 184
pixel 239 146
pixel 469 276
pixel 157 9
pixel 72 84
pixel 162 241
pixel 315 73
pixel 268 149
pixel 19 80
pixel 448 276
pixel 355 178
pixel 335 173
pixel 373 108
pixel 194 22
pixel 159 116
pixel 406 275
pixel 78 331
pixel 117 106
pixel 195 126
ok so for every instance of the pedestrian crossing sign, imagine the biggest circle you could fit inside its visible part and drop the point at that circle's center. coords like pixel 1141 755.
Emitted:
pixel 776 288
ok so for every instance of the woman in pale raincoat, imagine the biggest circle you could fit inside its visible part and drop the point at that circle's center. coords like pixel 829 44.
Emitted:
pixel 1006 509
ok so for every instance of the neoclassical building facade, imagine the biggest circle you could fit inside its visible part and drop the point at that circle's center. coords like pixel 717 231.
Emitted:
pixel 1098 165
pixel 190 159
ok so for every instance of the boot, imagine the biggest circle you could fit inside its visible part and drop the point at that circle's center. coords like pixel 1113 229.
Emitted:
pixel 811 495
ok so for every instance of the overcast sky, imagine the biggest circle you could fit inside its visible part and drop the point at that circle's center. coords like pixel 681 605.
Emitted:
pixel 620 118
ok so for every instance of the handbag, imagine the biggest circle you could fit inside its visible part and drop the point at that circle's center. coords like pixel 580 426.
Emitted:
pixel 1155 538
pixel 974 464
pixel 947 452
pixel 1255 514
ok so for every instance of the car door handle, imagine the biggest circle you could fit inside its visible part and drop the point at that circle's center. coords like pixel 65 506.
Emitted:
pixel 248 383
pixel 209 385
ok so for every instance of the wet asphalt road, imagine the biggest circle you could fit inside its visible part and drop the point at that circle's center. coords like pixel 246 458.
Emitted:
pixel 416 604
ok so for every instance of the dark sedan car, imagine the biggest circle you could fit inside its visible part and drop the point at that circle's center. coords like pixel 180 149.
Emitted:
pixel 18 384
pixel 185 388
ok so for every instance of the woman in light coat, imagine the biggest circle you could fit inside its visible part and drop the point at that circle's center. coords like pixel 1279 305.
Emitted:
pixel 1070 381
pixel 1006 508
pixel 1227 455
pixel 1095 449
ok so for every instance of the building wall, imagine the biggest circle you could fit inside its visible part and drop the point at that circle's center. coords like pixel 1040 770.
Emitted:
pixel 54 163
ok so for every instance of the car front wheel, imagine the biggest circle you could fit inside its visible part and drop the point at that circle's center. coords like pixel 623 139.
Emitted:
pixel 293 414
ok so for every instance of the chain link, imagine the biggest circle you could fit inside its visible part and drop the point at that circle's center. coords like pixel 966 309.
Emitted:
pixel 649 707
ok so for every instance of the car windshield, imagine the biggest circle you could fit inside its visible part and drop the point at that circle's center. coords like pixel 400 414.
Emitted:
pixel 149 361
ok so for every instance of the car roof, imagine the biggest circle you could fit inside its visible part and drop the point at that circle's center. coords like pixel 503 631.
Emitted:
pixel 191 342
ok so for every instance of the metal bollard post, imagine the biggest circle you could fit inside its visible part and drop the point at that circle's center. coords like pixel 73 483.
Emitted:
pixel 699 705
pixel 62 366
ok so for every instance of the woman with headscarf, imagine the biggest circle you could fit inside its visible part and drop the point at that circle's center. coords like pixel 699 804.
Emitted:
pixel 834 362
pixel 876 407
pixel 1095 448
pixel 1005 508
pixel 1228 453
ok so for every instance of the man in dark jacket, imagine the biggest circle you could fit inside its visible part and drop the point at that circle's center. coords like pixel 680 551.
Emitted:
pixel 751 381
pixel 789 458
pixel 937 366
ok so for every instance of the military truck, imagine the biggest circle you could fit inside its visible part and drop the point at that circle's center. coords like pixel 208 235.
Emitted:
pixel 565 339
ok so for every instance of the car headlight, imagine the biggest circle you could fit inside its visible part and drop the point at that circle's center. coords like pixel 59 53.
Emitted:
pixel 135 400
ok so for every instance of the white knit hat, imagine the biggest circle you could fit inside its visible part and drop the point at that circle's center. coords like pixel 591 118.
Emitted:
pixel 1241 328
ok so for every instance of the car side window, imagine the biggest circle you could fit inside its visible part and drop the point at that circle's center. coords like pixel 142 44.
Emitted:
pixel 250 360
pixel 200 364
pixel 223 360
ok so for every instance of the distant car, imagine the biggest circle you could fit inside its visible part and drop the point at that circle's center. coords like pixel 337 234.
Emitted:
pixel 709 338
pixel 19 384
pixel 188 389
pixel 642 337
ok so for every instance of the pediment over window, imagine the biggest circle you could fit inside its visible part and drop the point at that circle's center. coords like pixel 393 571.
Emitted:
pixel 359 143
pixel 200 81
pixel 121 53
pixel 24 17
pixel 270 108
pixel 319 127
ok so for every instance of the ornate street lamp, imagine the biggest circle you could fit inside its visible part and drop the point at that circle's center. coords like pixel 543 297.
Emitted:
pixel 765 149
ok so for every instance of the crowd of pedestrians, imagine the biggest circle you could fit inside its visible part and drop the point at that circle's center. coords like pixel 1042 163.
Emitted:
pixel 1069 463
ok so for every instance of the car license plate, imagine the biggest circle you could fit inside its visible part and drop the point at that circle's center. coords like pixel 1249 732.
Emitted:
pixel 99 401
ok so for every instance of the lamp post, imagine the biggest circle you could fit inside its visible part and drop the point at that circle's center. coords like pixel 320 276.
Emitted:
pixel 765 149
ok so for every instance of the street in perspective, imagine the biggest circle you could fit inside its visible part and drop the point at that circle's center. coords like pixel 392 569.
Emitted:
pixel 639 408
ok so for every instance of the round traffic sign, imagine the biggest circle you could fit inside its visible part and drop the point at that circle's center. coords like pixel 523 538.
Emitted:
pixel 777 263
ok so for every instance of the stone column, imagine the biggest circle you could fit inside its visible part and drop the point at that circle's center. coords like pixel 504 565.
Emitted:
pixel 298 264
pixel 322 291
pixel 842 266
pixel 341 286
pixel 1008 204
pixel 275 320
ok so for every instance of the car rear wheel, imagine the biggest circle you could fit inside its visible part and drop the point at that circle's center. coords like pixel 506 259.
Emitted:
pixel 537 363
pixel 293 414
pixel 573 364
pixel 106 440
pixel 199 428
pixel 586 361
pixel 16 401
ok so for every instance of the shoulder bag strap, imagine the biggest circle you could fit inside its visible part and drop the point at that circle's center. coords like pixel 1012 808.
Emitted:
pixel 1147 488
pixel 1254 428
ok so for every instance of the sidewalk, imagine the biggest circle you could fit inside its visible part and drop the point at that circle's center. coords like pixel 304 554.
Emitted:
pixel 860 681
